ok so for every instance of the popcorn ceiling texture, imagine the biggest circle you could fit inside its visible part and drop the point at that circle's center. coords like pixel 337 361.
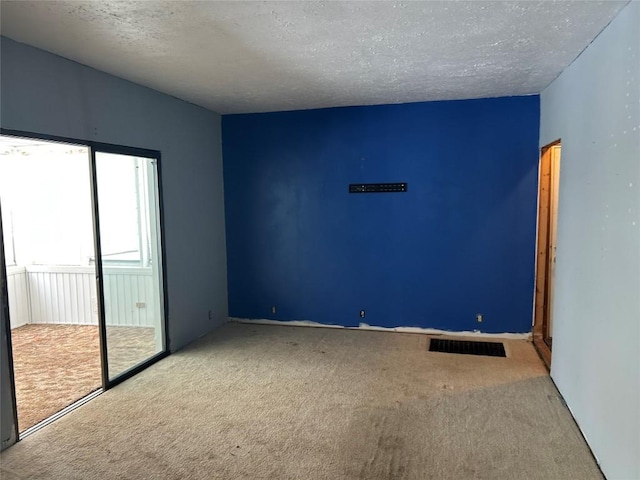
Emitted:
pixel 239 57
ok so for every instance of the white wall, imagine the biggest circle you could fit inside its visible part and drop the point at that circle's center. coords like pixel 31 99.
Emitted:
pixel 594 107
pixel 47 94
pixel 18 291
pixel 60 294
pixel 67 295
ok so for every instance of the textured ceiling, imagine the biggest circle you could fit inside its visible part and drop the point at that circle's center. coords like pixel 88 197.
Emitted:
pixel 234 57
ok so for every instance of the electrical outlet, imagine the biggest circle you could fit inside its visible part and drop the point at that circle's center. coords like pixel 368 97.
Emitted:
pixel 479 317
pixel 362 313
pixel 273 310
pixel 140 305
pixel 210 314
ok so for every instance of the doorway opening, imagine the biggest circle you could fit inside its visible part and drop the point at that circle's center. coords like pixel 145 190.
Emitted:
pixel 48 239
pixel 548 196
pixel 82 261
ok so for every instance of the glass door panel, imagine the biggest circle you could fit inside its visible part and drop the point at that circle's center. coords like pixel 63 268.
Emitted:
pixel 130 258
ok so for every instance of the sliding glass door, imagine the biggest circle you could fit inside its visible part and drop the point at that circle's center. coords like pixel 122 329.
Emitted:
pixel 129 260
pixel 82 297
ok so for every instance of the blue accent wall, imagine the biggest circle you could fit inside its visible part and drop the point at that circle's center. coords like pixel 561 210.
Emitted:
pixel 461 241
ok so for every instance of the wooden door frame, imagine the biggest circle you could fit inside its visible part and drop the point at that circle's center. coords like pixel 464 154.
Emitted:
pixel 540 310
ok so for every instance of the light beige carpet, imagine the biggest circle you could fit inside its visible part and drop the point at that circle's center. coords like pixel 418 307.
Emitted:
pixel 57 364
pixel 267 402
pixel 54 365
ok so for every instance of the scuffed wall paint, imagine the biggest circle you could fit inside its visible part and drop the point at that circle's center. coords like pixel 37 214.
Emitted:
pixel 364 326
pixel 460 241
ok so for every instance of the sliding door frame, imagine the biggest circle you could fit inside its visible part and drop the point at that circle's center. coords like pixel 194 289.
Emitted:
pixel 4 304
pixel 133 152
pixel 102 323
pixel 114 149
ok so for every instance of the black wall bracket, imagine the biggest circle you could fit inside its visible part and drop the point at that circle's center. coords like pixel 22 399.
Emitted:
pixel 377 187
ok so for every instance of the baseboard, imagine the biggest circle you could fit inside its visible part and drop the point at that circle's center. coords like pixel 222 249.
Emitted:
pixel 364 326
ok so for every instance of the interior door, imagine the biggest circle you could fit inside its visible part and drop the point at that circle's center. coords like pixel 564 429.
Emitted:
pixel 129 260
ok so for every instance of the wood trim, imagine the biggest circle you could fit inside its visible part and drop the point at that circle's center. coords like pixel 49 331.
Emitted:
pixel 542 242
pixel 541 306
pixel 554 185
pixel 543 351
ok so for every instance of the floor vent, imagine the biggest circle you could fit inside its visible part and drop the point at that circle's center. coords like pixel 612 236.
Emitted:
pixel 466 347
